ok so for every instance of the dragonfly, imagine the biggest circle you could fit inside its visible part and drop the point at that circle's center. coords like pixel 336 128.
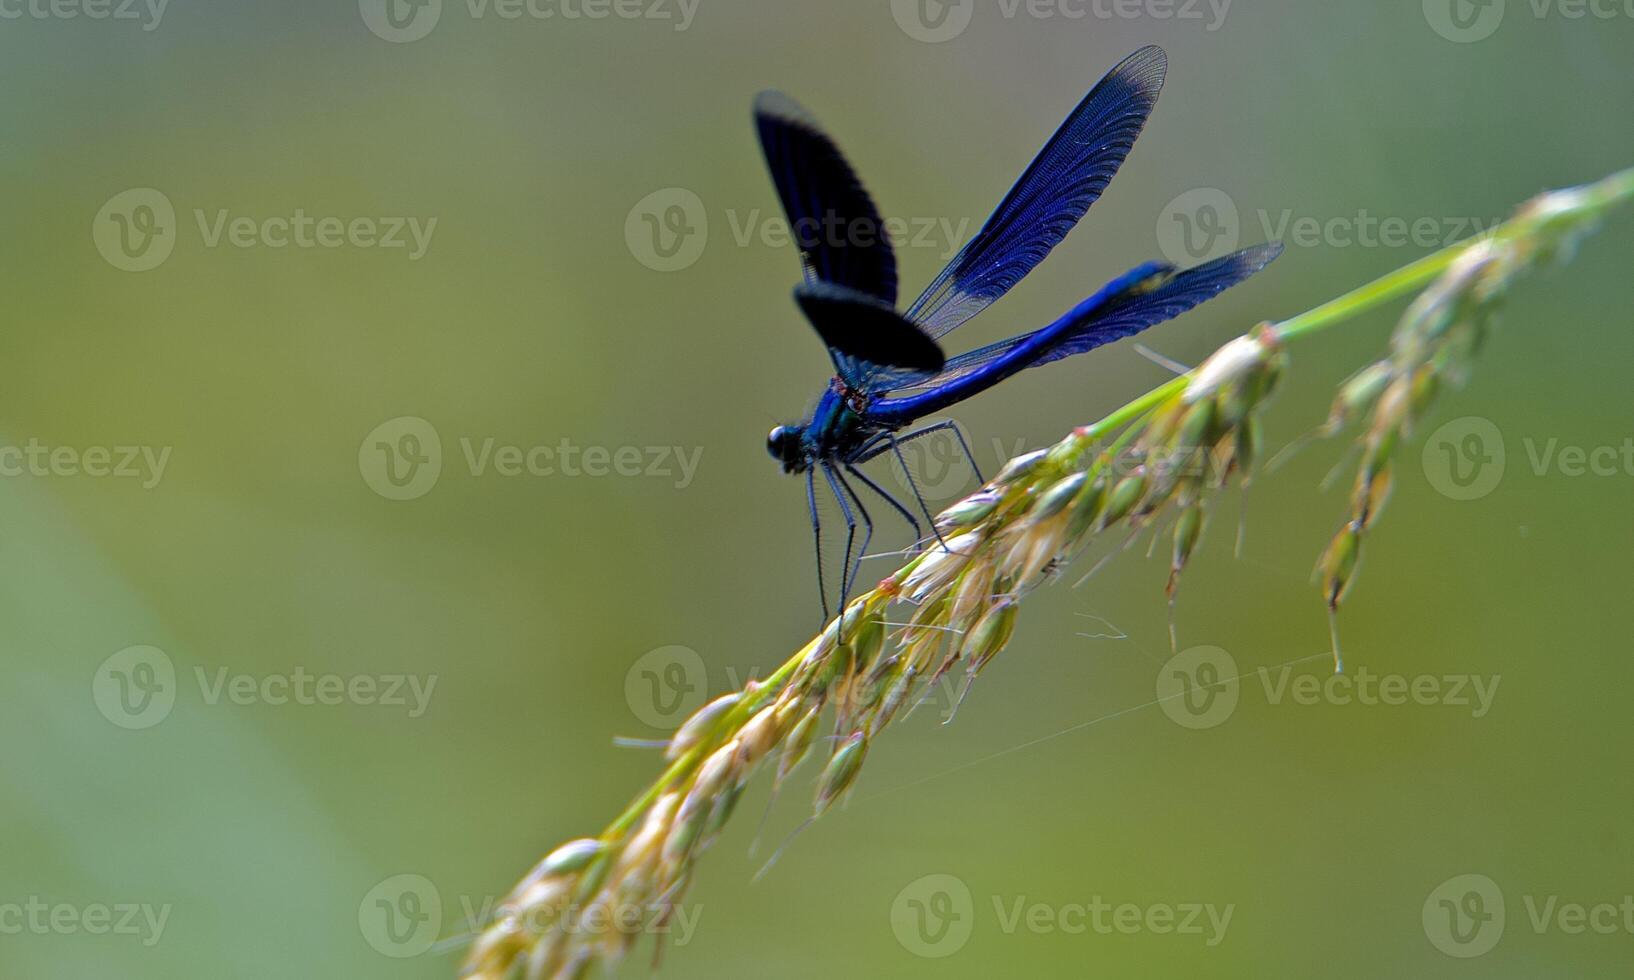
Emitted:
pixel 890 370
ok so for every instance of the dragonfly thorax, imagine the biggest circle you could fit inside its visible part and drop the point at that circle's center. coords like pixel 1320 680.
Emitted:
pixel 837 430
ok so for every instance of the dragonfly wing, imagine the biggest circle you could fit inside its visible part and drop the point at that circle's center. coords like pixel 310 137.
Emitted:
pixel 831 217
pixel 1068 176
pixel 1142 298
pixel 1132 313
pixel 866 335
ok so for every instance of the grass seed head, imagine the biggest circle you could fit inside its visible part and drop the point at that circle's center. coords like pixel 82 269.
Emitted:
pixel 1187 530
pixel 701 725
pixel 841 770
pixel 1056 497
pixel 1018 468
pixel 990 635
pixel 1126 493
pixel 969 511
pixel 1338 564
pixel 798 743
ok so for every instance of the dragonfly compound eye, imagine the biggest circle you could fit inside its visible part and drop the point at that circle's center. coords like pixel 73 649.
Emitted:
pixel 783 443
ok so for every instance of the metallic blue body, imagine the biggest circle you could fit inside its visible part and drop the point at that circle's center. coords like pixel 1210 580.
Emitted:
pixel 890 370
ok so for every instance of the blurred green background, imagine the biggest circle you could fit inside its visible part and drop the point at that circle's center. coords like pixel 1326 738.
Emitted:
pixel 264 833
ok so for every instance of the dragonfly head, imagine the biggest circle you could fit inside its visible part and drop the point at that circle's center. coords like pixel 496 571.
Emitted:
pixel 786 444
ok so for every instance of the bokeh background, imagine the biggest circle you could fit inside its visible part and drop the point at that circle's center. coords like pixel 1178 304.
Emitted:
pixel 271 838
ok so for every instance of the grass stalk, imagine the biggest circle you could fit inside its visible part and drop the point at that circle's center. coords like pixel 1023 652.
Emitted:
pixel 1166 453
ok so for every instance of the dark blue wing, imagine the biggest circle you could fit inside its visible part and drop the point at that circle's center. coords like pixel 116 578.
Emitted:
pixel 1129 315
pixel 1144 297
pixel 864 334
pixel 831 217
pixel 1068 175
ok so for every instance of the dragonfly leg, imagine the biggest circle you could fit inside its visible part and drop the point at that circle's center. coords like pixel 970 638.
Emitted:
pixel 887 441
pixel 882 443
pixel 958 434
pixel 817 534
pixel 896 504
pixel 867 530
pixel 878 446
pixel 850 536
pixel 895 445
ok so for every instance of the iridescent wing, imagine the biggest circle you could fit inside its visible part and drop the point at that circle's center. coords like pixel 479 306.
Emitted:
pixel 1067 176
pixel 1142 298
pixel 865 335
pixel 832 219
